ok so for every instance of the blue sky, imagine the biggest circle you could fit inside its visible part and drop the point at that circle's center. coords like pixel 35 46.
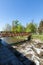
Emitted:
pixel 23 10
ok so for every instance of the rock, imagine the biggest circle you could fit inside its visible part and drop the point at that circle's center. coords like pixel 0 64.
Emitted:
pixel 33 51
pixel 41 54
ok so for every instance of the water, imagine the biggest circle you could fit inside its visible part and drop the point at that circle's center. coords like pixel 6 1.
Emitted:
pixel 9 40
pixel 3 42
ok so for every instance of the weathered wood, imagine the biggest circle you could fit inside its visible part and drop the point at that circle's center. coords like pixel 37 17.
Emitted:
pixel 11 34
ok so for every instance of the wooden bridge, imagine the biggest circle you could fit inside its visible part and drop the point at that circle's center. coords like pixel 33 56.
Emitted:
pixel 13 34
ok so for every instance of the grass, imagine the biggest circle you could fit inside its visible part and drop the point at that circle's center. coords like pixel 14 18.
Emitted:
pixel 37 36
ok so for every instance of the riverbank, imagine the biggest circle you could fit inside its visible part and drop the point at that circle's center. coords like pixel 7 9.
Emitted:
pixel 33 50
pixel 37 36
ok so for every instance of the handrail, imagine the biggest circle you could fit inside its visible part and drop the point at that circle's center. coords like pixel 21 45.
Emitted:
pixel 12 34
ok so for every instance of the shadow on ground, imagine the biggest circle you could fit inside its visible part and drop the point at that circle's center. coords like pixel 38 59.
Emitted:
pixel 20 59
pixel 20 56
pixel 20 42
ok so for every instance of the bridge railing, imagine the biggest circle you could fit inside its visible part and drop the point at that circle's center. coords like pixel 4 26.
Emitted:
pixel 13 34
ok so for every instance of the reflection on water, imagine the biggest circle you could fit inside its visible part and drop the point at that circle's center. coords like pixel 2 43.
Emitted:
pixel 3 42
pixel 9 39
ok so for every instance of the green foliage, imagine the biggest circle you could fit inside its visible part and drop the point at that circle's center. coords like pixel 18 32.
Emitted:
pixel 37 36
pixel 28 30
pixel 40 28
pixel 31 27
pixel 17 27
pixel 20 28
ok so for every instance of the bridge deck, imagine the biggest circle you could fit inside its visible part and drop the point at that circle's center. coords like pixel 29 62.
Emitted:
pixel 12 34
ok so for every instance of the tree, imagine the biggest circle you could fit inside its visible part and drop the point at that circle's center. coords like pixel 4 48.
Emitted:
pixel 14 25
pixel 7 27
pixel 40 28
pixel 16 22
pixel 20 28
pixel 31 27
